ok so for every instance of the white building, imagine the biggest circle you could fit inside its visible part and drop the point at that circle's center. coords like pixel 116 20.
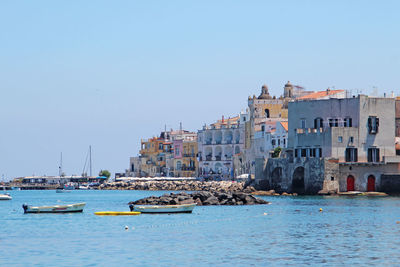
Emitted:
pixel 273 134
pixel 218 144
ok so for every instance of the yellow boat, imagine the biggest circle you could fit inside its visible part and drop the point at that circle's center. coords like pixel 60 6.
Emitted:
pixel 117 213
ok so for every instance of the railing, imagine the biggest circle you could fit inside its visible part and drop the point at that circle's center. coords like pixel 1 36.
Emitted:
pixel 229 141
pixel 218 158
pixel 218 142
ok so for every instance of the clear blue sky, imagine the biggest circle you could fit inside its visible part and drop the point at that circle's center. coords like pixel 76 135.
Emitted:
pixel 107 73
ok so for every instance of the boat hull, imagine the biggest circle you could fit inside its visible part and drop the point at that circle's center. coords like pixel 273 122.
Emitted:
pixel 117 213
pixel 185 208
pixel 55 209
pixel 5 197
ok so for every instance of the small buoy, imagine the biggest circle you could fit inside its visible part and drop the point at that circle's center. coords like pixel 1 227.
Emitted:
pixel 320 209
pixel 126 227
pixel 265 213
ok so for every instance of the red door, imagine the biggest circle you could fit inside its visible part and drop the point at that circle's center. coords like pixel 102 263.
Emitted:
pixel 371 183
pixel 350 183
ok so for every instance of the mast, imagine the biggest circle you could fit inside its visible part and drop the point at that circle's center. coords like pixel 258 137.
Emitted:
pixel 60 167
pixel 90 159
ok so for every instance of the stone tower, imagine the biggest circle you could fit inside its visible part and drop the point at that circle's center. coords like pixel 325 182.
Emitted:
pixel 288 90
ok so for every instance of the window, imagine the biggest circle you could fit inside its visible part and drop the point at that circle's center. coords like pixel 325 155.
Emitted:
pixel 303 123
pixel 177 151
pixel 178 166
pixel 279 142
pixel 266 113
pixel 273 142
pixel 284 142
pixel 340 139
pixel 303 152
pixel 318 123
pixel 373 125
pixel 313 152
pixel 160 146
pixel 351 140
pixel 319 152
pixel 333 122
pixel 351 154
pixel 373 154
pixel 295 153
pixel 263 128
pixel 348 122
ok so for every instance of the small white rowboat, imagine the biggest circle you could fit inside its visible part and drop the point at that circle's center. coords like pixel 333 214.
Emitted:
pixel 184 208
pixel 54 209
pixel 5 197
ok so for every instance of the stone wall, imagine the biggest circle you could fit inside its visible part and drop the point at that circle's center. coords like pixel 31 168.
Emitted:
pixel 298 175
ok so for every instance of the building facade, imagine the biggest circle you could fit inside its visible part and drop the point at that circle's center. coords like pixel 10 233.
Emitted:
pixel 337 144
pixel 217 146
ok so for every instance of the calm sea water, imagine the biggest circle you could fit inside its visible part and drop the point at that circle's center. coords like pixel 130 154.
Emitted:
pixel 290 231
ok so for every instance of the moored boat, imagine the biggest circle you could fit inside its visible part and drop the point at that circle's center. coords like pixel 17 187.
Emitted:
pixel 61 190
pixel 78 207
pixel 5 196
pixel 117 213
pixel 183 208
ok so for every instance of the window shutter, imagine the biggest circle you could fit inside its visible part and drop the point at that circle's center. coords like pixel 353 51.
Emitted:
pixel 377 124
pixel 369 124
pixel 378 159
pixel 355 155
pixel 315 124
pixel 369 154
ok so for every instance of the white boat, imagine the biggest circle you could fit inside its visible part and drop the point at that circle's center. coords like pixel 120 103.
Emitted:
pixel 54 209
pixel 60 190
pixel 184 208
pixel 5 196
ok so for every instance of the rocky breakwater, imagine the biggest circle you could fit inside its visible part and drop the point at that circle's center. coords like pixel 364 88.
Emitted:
pixel 203 198
pixel 213 186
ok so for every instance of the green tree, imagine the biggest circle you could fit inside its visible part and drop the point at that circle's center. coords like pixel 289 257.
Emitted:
pixel 105 173
pixel 277 152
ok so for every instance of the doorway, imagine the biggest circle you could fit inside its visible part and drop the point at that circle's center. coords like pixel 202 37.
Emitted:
pixel 350 183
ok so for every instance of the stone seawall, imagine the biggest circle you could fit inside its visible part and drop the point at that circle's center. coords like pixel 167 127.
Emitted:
pixel 213 186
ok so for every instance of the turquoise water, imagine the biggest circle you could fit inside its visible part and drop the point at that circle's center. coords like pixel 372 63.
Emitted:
pixel 290 231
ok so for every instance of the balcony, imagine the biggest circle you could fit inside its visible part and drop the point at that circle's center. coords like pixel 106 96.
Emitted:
pixel 208 157
pixel 218 158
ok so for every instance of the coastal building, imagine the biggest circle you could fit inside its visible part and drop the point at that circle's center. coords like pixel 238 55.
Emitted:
pixel 217 145
pixel 185 156
pixel 336 144
pixel 273 134
pixel 162 156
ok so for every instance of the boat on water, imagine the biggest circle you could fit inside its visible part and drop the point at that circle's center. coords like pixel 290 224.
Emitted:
pixel 183 208
pixel 5 196
pixel 62 190
pixel 78 207
pixel 117 213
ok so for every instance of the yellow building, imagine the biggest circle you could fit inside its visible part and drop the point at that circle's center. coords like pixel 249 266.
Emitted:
pixel 153 156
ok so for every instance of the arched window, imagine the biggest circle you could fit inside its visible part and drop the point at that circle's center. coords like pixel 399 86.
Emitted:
pixel 266 113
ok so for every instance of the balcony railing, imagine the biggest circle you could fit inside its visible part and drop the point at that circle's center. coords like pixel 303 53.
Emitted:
pixel 218 158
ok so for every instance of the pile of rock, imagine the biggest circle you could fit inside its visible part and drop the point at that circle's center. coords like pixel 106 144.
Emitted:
pixel 214 186
pixel 203 198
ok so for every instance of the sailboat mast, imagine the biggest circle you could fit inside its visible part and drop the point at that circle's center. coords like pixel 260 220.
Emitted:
pixel 60 167
pixel 90 159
